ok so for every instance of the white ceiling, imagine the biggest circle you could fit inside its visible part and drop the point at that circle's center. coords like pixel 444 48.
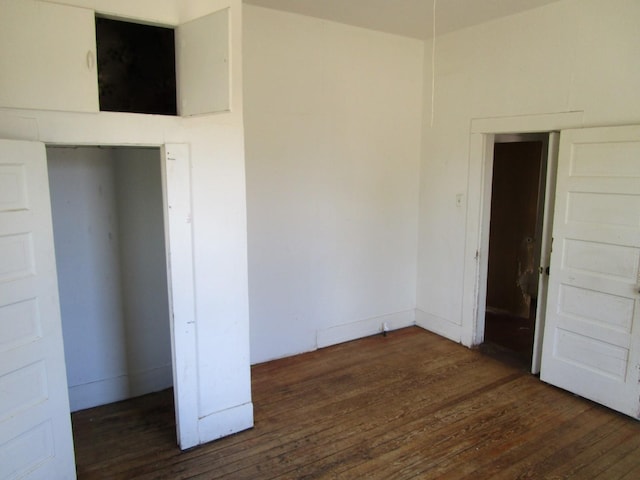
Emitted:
pixel 411 18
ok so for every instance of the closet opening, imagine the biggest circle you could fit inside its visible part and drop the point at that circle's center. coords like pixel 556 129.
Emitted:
pixel 518 178
pixel 111 254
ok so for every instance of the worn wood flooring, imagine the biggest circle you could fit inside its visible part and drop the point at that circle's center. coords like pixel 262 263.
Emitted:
pixel 408 405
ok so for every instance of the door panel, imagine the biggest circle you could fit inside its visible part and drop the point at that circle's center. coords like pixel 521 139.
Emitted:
pixel 35 425
pixel 47 56
pixel 592 335
pixel 202 64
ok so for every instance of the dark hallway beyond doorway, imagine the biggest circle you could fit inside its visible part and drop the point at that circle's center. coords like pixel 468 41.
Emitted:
pixel 509 338
pixel 514 250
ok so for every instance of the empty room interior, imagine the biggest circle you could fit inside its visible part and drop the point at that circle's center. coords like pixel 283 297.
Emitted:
pixel 319 239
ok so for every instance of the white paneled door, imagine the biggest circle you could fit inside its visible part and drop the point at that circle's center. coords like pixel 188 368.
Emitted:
pixel 592 334
pixel 35 426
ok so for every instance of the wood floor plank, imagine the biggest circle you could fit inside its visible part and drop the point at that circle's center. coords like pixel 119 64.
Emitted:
pixel 405 445
pixel 310 436
pixel 556 448
pixel 624 447
pixel 522 422
pixel 338 449
pixel 512 450
pixel 488 421
pixel 625 466
pixel 303 424
pixel 587 452
pixel 409 405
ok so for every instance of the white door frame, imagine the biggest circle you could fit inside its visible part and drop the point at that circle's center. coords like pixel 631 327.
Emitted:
pixel 546 241
pixel 483 133
pixel 176 188
pixel 548 170
pixel 177 208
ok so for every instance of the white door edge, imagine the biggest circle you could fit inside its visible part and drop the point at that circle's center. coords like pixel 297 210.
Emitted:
pixel 545 248
pixel 176 174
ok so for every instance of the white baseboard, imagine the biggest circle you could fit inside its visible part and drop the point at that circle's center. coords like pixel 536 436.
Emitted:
pixel 114 389
pixel 364 328
pixel 439 325
pixel 96 393
pixel 149 381
pixel 225 422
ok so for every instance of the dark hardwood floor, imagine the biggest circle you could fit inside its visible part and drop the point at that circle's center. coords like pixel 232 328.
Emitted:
pixel 408 405
pixel 509 336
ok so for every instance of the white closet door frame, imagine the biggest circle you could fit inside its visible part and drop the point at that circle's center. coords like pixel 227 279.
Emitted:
pixel 176 174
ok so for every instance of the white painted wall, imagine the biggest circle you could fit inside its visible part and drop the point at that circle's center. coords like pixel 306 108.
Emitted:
pixel 143 268
pixel 216 146
pixel 110 255
pixel 332 121
pixel 83 204
pixel 572 55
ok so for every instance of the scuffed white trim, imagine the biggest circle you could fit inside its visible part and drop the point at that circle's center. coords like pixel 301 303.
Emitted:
pixel 364 328
pixel 225 422
pixel 438 325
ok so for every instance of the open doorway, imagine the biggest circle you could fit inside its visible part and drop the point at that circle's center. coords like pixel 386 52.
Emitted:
pixel 518 175
pixel 109 231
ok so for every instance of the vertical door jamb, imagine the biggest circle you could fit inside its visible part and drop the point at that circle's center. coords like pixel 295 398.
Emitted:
pixel 545 248
pixel 482 256
pixel 176 177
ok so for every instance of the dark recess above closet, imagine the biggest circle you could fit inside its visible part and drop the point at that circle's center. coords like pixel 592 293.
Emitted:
pixel 136 67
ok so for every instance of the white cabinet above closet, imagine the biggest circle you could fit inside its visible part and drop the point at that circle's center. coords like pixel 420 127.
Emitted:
pixel 47 56
pixel 203 67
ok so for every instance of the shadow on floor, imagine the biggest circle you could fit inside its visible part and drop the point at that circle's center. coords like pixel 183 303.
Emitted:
pixel 509 339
